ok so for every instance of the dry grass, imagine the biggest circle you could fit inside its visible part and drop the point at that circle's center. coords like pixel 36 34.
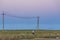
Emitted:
pixel 27 35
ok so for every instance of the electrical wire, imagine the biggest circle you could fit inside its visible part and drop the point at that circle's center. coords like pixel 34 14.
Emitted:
pixel 19 17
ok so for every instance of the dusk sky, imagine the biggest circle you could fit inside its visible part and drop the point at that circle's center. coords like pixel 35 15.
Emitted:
pixel 47 10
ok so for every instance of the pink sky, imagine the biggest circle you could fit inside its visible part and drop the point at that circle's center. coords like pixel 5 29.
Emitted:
pixel 48 10
pixel 30 7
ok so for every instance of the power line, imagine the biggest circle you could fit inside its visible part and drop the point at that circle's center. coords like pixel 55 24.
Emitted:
pixel 3 14
pixel 20 17
pixel 17 16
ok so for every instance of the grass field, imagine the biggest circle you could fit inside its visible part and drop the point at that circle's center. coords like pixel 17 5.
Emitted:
pixel 27 34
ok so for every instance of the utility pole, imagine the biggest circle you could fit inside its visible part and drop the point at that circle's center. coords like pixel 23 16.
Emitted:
pixel 37 22
pixel 3 20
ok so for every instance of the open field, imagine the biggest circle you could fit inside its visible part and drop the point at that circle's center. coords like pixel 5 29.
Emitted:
pixel 27 35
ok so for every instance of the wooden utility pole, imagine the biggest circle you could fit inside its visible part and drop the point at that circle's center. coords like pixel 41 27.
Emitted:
pixel 37 22
pixel 3 21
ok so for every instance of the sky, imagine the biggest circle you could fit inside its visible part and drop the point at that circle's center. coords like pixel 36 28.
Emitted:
pixel 47 10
